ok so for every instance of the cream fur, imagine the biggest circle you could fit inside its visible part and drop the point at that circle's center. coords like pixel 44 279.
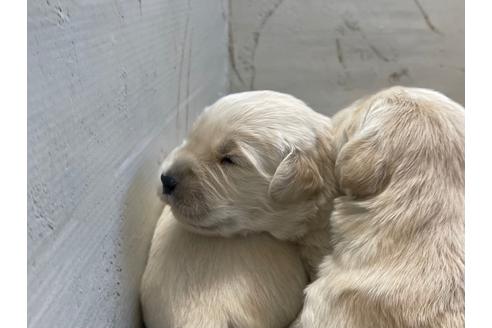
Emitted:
pixel 398 234
pixel 195 281
pixel 279 183
pixel 282 181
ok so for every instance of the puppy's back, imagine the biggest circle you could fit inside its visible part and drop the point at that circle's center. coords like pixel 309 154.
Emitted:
pixel 396 133
pixel 398 259
pixel 198 281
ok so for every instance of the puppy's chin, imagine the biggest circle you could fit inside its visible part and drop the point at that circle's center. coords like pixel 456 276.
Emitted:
pixel 206 221
pixel 212 231
pixel 188 209
pixel 191 220
pixel 203 225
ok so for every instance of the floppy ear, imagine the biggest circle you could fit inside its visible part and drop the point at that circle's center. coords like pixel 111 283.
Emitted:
pixel 296 178
pixel 362 167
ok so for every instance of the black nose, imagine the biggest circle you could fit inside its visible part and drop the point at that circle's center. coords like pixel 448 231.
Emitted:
pixel 168 183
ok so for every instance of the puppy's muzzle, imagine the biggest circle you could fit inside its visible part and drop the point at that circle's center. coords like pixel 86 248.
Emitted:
pixel 169 184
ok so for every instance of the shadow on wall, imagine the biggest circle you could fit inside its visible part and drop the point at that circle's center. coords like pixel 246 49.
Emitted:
pixel 140 211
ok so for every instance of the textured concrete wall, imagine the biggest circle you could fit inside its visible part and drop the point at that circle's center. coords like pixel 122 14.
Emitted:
pixel 329 53
pixel 112 87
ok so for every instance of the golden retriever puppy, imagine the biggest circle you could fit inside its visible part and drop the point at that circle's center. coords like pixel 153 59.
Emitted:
pixel 398 234
pixel 255 165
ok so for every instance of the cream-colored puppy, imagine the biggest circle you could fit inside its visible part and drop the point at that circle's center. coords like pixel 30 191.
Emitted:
pixel 398 235
pixel 255 164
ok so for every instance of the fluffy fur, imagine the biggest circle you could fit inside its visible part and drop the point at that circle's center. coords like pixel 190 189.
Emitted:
pixel 398 234
pixel 281 179
pixel 195 281
pixel 255 164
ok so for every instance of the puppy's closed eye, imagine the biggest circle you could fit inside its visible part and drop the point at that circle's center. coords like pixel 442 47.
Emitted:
pixel 227 160
pixel 226 155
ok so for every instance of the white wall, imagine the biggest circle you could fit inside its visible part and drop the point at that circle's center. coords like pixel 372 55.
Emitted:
pixel 329 53
pixel 112 87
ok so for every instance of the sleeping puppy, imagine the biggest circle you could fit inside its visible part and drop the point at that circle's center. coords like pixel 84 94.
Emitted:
pixel 398 235
pixel 255 165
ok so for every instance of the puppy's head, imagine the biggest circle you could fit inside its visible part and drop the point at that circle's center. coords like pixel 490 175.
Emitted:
pixel 253 161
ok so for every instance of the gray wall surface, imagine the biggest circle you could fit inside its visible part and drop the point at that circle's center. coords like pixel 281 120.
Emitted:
pixel 329 53
pixel 112 87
